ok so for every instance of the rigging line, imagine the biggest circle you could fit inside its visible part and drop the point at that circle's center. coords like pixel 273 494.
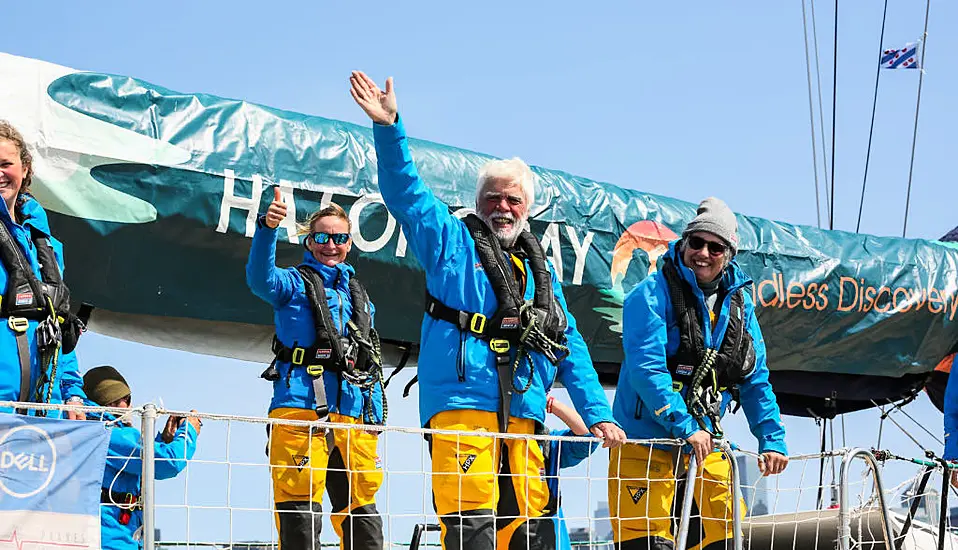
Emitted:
pixel 881 424
pixel 903 430
pixel 844 441
pixel 831 428
pixel 914 135
pixel 821 467
pixel 831 217
pixel 811 117
pixel 821 112
pixel 871 127
pixel 920 425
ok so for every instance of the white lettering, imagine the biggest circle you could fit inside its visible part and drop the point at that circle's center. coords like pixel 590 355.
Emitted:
pixel 230 201
pixel 354 215
pixel 581 252
pixel 550 241
pixel 289 222
pixel 23 461
pixel 401 245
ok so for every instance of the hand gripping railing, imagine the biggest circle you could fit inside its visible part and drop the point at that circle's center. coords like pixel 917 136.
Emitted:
pixel 844 510
pixel 683 532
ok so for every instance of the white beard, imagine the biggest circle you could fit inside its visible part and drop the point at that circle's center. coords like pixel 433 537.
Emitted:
pixel 507 237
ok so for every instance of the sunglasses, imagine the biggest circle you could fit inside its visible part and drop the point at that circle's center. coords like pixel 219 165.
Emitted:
pixel 696 243
pixel 320 237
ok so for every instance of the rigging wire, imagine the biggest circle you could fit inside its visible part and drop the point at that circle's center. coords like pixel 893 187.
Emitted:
pixel 821 112
pixel 811 116
pixel 900 427
pixel 919 424
pixel 914 135
pixel 871 127
pixel 881 424
pixel 831 217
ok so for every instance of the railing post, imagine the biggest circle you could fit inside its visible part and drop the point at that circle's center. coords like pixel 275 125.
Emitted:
pixel 844 507
pixel 147 433
pixel 736 496
pixel 683 535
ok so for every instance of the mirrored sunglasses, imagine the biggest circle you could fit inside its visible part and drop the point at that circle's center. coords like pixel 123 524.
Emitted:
pixel 320 237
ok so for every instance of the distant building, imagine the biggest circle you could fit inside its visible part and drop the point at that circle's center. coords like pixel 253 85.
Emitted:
pixel 601 525
pixel 929 504
pixel 754 486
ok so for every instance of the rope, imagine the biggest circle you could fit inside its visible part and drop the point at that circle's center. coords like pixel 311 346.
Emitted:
pixel 811 117
pixel 871 127
pixel 903 430
pixel 914 135
pixel 821 112
pixel 539 341
pixel 831 218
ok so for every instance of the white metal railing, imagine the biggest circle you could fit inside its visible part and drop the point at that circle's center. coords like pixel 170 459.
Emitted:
pixel 205 514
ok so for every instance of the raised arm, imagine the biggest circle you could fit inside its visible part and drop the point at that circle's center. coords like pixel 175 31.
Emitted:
pixel 271 284
pixel 432 232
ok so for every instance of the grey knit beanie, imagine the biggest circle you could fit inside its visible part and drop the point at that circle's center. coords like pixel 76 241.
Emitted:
pixel 715 217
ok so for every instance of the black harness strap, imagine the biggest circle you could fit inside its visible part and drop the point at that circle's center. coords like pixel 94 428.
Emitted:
pixel 356 357
pixel 707 371
pixel 45 299
pixel 538 324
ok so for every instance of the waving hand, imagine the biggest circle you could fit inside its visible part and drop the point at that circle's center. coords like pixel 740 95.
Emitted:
pixel 378 104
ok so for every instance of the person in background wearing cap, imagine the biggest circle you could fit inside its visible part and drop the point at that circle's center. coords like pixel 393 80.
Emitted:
pixel 692 344
pixel 121 515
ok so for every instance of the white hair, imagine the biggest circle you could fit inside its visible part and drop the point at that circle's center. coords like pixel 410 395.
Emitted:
pixel 513 169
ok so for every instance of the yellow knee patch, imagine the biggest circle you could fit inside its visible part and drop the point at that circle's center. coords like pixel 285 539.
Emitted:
pixel 298 457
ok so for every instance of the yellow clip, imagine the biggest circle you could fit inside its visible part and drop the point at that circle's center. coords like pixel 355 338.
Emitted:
pixel 314 370
pixel 677 386
pixel 18 324
pixel 478 323
pixel 499 346
pixel 298 355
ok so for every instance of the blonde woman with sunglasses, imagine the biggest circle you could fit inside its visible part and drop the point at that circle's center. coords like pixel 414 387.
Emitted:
pixel 326 368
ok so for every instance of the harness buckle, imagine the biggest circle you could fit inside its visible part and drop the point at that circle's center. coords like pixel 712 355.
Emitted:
pixel 298 355
pixel 314 370
pixel 478 323
pixel 499 345
pixel 18 324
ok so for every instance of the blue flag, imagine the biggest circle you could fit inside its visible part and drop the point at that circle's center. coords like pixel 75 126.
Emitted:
pixel 50 476
pixel 904 58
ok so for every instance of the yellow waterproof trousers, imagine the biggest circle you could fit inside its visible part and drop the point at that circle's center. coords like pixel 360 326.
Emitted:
pixel 642 503
pixel 489 493
pixel 303 466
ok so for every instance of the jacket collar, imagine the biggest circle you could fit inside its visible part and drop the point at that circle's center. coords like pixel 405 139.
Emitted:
pixel 33 215
pixel 341 271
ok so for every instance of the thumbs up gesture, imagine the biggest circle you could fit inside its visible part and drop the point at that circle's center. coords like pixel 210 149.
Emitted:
pixel 277 210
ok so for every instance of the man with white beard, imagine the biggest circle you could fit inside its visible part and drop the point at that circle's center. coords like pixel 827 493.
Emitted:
pixel 496 335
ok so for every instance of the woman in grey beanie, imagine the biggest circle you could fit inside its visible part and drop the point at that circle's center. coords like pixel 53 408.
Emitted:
pixel 689 335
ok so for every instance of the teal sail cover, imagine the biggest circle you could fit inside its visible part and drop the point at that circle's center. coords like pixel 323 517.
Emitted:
pixel 155 194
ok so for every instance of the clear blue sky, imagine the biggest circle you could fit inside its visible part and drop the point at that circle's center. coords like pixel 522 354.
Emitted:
pixel 685 101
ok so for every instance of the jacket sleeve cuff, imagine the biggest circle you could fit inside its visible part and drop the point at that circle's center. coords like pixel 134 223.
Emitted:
pixel 261 224
pixel 685 430
pixel 389 134
pixel 773 447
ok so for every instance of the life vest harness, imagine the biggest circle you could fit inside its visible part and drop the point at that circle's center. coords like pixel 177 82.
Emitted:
pixel 45 299
pixel 356 357
pixel 535 325
pixel 706 372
